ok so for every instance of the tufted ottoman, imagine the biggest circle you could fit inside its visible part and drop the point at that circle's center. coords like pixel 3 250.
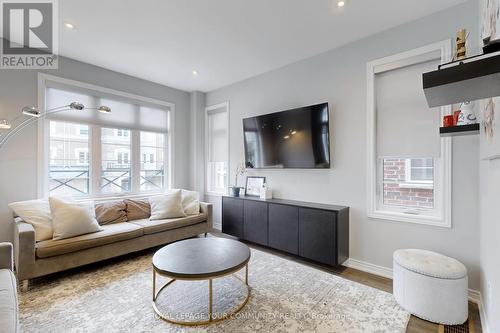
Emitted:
pixel 431 286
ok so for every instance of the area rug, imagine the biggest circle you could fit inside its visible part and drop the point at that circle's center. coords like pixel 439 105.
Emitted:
pixel 286 296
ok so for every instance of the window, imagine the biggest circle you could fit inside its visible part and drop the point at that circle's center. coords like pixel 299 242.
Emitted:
pixel 68 169
pixel 409 163
pixel 122 132
pixel 419 170
pixel 152 169
pixel 92 154
pixel 116 168
pixel 83 130
pixel 217 148
pixel 82 155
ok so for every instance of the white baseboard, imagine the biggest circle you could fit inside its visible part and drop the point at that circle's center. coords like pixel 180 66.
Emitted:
pixel 482 314
pixel 474 295
pixel 369 268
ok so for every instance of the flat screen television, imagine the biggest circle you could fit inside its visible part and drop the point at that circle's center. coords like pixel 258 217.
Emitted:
pixel 292 139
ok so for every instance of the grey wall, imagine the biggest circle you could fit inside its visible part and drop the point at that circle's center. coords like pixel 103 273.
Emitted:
pixel 18 162
pixel 339 77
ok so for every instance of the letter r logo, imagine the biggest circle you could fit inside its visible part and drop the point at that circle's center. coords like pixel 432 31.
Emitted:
pixel 27 27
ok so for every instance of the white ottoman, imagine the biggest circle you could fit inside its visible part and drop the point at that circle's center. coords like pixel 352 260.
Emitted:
pixel 431 286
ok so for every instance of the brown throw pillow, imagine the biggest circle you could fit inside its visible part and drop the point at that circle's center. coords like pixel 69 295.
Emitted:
pixel 111 212
pixel 138 209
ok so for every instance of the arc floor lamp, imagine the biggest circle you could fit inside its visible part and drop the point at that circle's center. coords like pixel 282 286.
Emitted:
pixel 33 114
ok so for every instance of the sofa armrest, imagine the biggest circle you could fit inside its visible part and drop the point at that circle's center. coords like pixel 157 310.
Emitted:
pixel 208 208
pixel 6 256
pixel 24 249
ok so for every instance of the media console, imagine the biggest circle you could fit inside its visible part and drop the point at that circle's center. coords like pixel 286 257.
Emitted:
pixel 314 231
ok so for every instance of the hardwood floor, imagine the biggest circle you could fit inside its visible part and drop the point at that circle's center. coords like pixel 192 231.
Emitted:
pixel 416 325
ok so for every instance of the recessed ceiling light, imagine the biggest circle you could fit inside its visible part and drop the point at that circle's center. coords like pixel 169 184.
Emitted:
pixel 195 72
pixel 69 25
pixel 340 3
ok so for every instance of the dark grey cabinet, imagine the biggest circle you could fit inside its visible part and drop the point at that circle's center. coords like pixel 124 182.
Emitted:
pixel 313 231
pixel 284 228
pixel 255 221
pixel 317 235
pixel 232 217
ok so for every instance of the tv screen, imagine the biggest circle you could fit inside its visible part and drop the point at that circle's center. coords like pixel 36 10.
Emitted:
pixel 296 139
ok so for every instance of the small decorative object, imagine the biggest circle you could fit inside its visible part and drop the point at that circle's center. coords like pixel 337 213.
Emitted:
pixel 266 192
pixel 491 26
pixel 448 121
pixel 467 114
pixel 490 138
pixel 460 41
pixel 456 116
pixel 240 171
pixel 254 185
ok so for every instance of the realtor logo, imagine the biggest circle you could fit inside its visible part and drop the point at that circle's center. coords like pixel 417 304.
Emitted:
pixel 29 34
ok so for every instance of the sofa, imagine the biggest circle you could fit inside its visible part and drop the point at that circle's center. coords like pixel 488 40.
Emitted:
pixel 9 322
pixel 34 259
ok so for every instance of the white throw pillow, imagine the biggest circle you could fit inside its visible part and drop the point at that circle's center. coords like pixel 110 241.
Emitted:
pixel 70 219
pixel 36 213
pixel 190 202
pixel 167 206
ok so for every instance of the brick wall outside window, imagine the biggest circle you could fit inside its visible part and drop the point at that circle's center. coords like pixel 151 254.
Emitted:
pixel 400 193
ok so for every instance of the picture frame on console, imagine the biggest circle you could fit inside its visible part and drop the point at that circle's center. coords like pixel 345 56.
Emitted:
pixel 254 185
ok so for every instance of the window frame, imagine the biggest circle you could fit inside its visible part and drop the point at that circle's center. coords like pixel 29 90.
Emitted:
pixel 208 109
pixel 442 165
pixel 45 81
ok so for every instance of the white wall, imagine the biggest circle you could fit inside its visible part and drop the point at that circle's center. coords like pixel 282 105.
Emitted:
pixel 489 194
pixel 18 163
pixel 339 77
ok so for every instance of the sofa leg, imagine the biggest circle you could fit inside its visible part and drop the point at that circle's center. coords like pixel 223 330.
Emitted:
pixel 24 285
pixel 206 234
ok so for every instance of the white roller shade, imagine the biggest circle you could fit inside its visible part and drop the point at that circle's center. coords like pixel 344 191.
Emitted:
pixel 125 113
pixel 406 126
pixel 217 135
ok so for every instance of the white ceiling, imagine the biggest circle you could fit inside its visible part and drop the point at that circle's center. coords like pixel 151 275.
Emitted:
pixel 224 40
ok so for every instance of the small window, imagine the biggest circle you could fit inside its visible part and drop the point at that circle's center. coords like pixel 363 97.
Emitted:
pixel 153 163
pixel 69 159
pixel 122 132
pixel 116 168
pixel 401 191
pixel 217 133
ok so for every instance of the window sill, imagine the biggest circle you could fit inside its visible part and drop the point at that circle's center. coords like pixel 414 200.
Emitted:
pixel 410 218
pixel 417 185
pixel 118 197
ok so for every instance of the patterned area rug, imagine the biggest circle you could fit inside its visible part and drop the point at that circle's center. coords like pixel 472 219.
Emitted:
pixel 285 297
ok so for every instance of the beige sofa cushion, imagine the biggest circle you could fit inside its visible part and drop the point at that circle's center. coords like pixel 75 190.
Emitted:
pixel 111 212
pixel 8 302
pixel 154 226
pixel 137 209
pixel 110 233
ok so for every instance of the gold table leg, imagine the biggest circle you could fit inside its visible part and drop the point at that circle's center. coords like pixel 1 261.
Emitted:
pixel 211 318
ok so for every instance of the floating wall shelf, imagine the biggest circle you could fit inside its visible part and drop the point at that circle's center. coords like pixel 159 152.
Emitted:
pixel 459 130
pixel 462 81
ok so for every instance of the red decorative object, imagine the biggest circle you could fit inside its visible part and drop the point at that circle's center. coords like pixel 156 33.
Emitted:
pixel 448 121
pixel 456 116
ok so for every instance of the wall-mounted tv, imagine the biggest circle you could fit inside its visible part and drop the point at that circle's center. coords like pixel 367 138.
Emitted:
pixel 295 139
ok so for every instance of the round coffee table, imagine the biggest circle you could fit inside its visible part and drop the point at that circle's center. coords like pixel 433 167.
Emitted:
pixel 200 259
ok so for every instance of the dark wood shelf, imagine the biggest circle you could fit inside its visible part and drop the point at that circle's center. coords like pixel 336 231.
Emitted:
pixel 459 130
pixel 463 81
